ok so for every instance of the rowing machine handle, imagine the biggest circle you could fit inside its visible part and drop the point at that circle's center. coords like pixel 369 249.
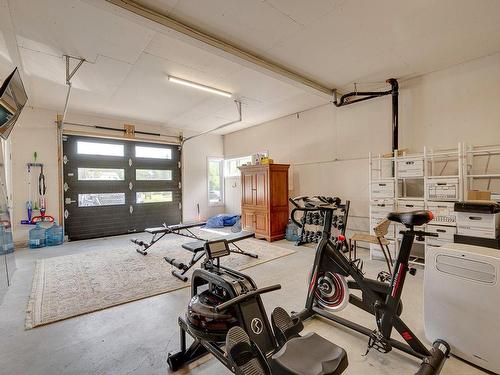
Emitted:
pixel 243 297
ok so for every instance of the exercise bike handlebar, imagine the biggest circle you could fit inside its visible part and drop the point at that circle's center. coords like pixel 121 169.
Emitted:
pixel 243 297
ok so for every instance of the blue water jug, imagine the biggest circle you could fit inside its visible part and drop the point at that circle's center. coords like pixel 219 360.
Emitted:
pixel 54 235
pixel 37 237
pixel 6 241
pixel 292 232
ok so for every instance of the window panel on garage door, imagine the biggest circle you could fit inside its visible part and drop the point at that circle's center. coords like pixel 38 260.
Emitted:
pixel 157 185
pixel 102 178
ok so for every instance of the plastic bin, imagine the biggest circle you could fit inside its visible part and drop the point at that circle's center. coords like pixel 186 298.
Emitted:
pixel 6 241
pixel 292 232
pixel 54 235
pixel 37 237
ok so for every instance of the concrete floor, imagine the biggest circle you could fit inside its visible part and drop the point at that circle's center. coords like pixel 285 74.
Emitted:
pixel 135 338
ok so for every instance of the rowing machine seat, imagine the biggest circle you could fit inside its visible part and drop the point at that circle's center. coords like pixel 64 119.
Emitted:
pixel 310 354
pixel 411 218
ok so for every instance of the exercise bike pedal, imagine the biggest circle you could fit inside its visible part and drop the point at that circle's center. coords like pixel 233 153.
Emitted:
pixel 379 343
pixel 384 277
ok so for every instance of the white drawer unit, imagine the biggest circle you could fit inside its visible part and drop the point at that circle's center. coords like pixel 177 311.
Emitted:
pixel 443 212
pixel 478 225
pixel 442 189
pixel 382 189
pixel 445 234
pixel 383 207
pixel 409 168
pixel 410 205
pixel 376 252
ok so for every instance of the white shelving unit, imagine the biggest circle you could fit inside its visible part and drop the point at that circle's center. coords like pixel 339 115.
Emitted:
pixel 432 180
pixel 481 169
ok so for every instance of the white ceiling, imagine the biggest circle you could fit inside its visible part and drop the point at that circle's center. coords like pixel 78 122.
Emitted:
pixel 335 42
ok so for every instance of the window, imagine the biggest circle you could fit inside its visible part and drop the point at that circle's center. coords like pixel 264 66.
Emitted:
pixel 215 181
pixel 153 152
pixel 100 199
pixel 153 197
pixel 231 166
pixel 97 148
pixel 153 175
pixel 100 174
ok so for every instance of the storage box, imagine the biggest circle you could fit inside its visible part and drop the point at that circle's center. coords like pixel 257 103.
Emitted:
pixel 445 234
pixel 383 206
pixel 478 224
pixel 410 205
pixel 382 189
pixel 443 213
pixel 410 168
pixel 478 195
pixel 441 189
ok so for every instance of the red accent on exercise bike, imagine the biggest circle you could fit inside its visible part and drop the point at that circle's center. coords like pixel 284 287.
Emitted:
pixel 407 336
pixel 313 281
pixel 398 280
pixel 341 238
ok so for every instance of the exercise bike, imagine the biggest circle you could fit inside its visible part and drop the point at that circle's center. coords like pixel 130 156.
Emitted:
pixel 333 275
pixel 226 317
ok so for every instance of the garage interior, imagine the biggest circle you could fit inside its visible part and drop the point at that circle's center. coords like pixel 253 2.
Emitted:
pixel 173 171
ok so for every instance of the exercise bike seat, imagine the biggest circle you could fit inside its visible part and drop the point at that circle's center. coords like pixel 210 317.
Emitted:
pixel 310 354
pixel 412 218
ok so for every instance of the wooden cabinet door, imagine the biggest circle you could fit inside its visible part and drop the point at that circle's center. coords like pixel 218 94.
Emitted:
pixel 261 222
pixel 248 220
pixel 260 187
pixel 247 187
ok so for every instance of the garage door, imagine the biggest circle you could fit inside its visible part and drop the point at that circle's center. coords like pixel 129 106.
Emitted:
pixel 114 187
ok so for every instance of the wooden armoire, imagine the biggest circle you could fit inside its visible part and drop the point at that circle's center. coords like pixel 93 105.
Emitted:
pixel 264 200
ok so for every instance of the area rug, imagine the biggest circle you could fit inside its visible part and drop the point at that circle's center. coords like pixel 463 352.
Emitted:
pixel 72 285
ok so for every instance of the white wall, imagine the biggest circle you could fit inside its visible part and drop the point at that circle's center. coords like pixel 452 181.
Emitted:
pixel 195 154
pixel 328 147
pixel 36 131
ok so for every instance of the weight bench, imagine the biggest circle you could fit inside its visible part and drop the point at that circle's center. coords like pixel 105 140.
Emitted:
pixel 160 232
pixel 198 250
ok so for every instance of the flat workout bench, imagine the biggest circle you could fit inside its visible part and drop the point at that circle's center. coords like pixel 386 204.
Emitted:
pixel 198 250
pixel 159 232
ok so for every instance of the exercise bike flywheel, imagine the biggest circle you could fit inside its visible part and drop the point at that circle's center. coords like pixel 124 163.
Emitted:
pixel 332 292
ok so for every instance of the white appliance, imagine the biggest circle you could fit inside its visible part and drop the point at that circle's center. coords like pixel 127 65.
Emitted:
pixel 462 301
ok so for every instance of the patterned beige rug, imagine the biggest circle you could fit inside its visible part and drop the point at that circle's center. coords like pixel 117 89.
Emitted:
pixel 72 285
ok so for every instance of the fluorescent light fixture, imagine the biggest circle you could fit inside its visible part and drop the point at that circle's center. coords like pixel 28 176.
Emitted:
pixel 199 86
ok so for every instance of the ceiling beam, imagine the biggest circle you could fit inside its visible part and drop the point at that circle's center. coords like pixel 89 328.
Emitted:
pixel 265 65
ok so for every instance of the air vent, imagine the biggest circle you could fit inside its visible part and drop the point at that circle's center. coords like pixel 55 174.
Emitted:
pixel 466 268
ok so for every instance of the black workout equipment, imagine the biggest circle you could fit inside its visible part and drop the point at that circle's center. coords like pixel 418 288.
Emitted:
pixel 226 309
pixel 333 275
pixel 195 247
pixel 160 232
pixel 198 250
pixel 308 234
